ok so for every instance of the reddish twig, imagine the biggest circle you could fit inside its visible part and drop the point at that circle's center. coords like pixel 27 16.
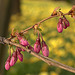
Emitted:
pixel 38 23
pixel 26 29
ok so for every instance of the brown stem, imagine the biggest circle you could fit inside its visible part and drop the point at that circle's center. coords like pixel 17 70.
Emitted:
pixel 26 29
pixel 9 51
pixel 41 36
pixel 47 60
pixel 50 18
pixel 38 34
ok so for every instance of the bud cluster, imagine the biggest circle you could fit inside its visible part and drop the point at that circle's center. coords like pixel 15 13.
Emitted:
pixel 38 46
pixel 17 54
pixel 11 60
pixel 63 23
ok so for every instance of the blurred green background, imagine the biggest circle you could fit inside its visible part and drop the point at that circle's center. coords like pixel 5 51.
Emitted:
pixel 61 46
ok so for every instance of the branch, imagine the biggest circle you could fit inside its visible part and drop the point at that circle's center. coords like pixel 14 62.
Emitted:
pixel 47 60
pixel 38 23
pixel 41 22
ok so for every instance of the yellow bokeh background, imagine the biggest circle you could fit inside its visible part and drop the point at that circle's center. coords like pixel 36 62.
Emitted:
pixel 61 45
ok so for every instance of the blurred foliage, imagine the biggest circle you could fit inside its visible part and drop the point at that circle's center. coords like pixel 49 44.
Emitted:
pixel 61 46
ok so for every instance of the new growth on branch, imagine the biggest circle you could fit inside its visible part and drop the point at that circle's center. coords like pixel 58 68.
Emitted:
pixel 39 45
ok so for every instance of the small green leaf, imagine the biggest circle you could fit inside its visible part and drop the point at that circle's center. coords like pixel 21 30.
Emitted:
pixel 39 29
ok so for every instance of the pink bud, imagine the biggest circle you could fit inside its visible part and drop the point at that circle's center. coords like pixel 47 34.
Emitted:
pixel 30 47
pixel 64 26
pixel 22 41
pixel 37 46
pixel 59 28
pixel 13 58
pixel 60 25
pixel 66 22
pixel 45 49
pixel 7 64
pixel 20 56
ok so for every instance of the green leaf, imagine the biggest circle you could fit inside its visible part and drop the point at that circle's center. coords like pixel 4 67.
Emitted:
pixel 39 29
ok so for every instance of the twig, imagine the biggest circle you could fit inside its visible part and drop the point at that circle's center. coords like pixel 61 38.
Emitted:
pixel 22 32
pixel 50 18
pixel 47 60
pixel 26 29
pixel 41 22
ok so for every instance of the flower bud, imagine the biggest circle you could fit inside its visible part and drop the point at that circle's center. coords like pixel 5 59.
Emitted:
pixel 45 49
pixel 37 46
pixel 20 56
pixel 22 41
pixel 59 28
pixel 7 64
pixel 13 58
pixel 66 22
pixel 64 26
pixel 60 25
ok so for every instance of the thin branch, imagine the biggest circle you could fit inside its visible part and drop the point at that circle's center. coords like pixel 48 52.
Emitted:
pixel 38 23
pixel 26 29
pixel 50 18
pixel 47 60
pixel 41 22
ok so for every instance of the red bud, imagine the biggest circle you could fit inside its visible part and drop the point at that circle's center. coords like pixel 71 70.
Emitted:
pixel 45 49
pixel 37 46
